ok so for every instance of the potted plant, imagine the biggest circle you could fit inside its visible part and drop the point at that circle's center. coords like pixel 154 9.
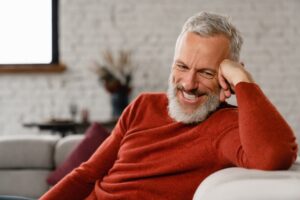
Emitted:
pixel 115 75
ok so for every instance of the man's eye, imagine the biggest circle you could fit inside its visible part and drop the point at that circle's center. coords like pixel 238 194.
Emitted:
pixel 207 74
pixel 182 67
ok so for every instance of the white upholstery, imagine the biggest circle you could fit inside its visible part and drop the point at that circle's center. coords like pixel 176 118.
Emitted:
pixel 249 184
pixel 26 182
pixel 64 147
pixel 26 161
pixel 27 152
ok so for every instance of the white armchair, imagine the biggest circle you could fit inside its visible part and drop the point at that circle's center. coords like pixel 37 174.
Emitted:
pixel 249 184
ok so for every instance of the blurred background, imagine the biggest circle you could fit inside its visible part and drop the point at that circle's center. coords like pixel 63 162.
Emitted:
pixel 144 31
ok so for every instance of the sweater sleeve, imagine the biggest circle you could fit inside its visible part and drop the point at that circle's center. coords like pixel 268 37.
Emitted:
pixel 80 182
pixel 261 139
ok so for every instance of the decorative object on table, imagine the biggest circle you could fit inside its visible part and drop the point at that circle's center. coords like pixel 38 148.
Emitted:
pixel 73 111
pixel 85 115
pixel 115 75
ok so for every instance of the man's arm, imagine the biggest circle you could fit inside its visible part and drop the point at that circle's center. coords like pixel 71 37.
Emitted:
pixel 81 181
pixel 262 138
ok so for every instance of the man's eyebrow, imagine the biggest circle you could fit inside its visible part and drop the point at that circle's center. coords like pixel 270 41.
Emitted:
pixel 180 62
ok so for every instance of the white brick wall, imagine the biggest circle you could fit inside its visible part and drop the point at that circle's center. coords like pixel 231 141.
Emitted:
pixel 149 27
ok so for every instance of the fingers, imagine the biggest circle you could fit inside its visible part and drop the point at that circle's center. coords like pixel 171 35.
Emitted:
pixel 225 87
pixel 222 80
pixel 227 93
pixel 224 84
pixel 224 94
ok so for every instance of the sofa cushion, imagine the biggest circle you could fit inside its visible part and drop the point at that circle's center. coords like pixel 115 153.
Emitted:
pixel 27 151
pixel 65 147
pixel 94 136
pixel 29 183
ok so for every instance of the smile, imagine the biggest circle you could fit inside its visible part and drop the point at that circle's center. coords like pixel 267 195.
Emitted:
pixel 191 98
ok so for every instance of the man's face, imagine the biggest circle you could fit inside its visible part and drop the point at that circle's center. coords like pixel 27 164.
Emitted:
pixel 193 86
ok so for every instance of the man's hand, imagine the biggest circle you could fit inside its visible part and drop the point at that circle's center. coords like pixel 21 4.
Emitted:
pixel 231 73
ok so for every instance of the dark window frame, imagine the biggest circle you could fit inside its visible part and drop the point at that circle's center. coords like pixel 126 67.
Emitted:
pixel 55 39
pixel 55 65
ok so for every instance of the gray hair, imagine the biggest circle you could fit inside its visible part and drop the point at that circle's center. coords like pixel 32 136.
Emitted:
pixel 210 24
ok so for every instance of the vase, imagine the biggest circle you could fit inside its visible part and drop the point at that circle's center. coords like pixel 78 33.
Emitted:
pixel 119 101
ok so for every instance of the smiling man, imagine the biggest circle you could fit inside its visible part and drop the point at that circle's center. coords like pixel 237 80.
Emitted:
pixel 193 86
pixel 165 144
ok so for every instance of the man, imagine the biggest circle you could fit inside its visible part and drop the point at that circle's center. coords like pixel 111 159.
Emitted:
pixel 164 145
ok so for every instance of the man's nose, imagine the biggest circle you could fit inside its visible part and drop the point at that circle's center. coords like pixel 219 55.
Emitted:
pixel 190 81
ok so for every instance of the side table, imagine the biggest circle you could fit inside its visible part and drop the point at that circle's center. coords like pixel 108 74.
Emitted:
pixel 64 127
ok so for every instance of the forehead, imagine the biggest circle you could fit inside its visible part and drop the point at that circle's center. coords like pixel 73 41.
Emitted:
pixel 193 46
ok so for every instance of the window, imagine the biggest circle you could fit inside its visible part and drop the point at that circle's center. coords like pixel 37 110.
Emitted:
pixel 29 35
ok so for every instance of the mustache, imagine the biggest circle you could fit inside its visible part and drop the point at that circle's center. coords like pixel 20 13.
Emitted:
pixel 195 91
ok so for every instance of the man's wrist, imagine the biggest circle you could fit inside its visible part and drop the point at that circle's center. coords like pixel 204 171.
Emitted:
pixel 246 78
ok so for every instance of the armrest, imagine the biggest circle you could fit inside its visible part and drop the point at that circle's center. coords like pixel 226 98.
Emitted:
pixel 239 183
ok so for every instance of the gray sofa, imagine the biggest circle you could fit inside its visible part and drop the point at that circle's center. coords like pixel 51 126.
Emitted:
pixel 26 161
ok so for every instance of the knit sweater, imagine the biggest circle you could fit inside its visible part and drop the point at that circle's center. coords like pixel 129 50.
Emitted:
pixel 151 156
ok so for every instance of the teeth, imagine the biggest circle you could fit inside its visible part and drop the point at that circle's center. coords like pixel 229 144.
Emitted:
pixel 189 96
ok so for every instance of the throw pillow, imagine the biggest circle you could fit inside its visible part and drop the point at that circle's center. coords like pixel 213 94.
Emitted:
pixel 94 136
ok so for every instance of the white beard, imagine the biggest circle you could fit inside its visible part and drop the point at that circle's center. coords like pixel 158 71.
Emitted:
pixel 198 115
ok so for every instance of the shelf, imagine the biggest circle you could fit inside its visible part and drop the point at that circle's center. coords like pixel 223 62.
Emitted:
pixel 33 68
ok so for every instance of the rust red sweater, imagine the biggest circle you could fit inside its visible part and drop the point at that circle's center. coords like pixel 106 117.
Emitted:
pixel 150 156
